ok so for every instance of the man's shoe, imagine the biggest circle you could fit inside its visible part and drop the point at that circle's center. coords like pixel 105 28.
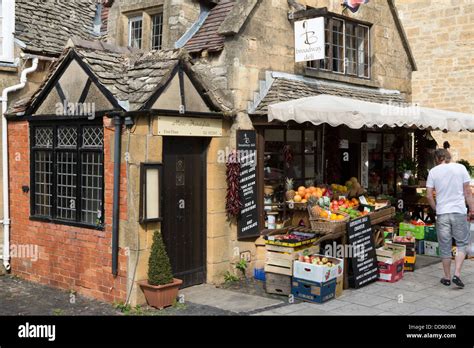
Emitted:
pixel 458 282
pixel 446 282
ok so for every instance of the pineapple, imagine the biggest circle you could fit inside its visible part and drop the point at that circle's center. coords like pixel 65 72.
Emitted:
pixel 290 193
pixel 313 207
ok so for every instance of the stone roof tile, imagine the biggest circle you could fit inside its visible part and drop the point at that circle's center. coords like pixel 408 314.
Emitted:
pixel 46 26
pixel 283 90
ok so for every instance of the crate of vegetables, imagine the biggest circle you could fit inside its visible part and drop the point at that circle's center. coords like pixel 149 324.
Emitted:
pixel 408 242
pixel 414 228
pixel 291 239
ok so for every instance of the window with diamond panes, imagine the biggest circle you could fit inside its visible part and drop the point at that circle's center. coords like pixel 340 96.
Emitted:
pixel 68 173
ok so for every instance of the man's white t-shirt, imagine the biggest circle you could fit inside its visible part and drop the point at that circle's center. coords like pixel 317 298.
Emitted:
pixel 448 180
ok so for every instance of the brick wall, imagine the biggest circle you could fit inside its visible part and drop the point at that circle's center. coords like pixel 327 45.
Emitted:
pixel 70 258
pixel 441 35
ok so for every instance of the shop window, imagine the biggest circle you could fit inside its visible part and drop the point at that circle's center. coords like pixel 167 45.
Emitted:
pixel 7 28
pixel 291 153
pixel 157 31
pixel 150 192
pixel 347 48
pixel 135 31
pixel 67 178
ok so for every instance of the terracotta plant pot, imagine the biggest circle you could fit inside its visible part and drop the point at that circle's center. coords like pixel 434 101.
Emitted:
pixel 161 296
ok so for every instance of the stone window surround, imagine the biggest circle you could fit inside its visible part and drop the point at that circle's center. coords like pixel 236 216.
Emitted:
pixel 147 23
pixel 344 76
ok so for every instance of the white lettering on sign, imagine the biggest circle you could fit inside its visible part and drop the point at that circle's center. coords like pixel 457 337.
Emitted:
pixel 189 127
pixel 309 40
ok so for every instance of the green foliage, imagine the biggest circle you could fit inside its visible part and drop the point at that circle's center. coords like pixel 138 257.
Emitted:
pixel 159 267
pixel 407 164
pixel 122 307
pixel 468 166
pixel 230 278
pixel 242 266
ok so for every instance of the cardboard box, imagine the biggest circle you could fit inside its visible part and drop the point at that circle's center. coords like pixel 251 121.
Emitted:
pixel 391 253
pixel 432 249
pixel 318 274
pixel 391 273
pixel 430 234
pixel 411 230
pixel 420 247
pixel 312 291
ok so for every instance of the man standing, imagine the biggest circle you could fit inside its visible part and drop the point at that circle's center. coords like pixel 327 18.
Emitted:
pixel 451 181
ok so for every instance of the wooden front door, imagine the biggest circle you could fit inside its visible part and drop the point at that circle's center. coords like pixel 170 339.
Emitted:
pixel 184 224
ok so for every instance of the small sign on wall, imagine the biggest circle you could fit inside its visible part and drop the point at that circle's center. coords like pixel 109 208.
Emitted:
pixel 310 40
pixel 189 127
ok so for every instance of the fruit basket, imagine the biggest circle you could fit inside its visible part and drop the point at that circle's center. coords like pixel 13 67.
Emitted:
pixel 327 226
pixel 297 206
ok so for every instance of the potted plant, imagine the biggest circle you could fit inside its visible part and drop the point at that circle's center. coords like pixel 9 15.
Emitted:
pixel 162 288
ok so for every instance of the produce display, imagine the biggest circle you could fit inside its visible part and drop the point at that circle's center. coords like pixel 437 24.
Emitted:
pixel 354 189
pixel 337 205
pixel 316 260
pixel 353 213
pixel 303 194
pixel 292 237
pixel 406 239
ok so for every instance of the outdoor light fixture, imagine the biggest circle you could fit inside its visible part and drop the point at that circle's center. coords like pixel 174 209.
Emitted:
pixel 150 192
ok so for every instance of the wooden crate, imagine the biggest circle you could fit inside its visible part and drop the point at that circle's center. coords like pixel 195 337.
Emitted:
pixel 278 284
pixel 382 215
pixel 279 259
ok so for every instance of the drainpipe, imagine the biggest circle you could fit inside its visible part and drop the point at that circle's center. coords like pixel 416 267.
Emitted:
pixel 6 193
pixel 116 195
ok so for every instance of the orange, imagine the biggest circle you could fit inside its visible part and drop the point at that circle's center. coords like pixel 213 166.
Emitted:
pixel 307 196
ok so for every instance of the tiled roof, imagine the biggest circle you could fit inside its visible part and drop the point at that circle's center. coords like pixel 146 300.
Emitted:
pixel 45 26
pixel 207 37
pixel 286 89
pixel 129 75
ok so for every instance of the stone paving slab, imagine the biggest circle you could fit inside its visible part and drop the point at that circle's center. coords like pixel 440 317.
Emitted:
pixel 227 300
pixel 404 308
pixel 440 303
pixel 369 300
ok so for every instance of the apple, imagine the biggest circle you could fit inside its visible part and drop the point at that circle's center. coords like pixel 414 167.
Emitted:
pixel 307 259
pixel 325 260
pixel 301 258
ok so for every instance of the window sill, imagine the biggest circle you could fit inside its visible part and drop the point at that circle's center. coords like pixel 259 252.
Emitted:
pixel 66 223
pixel 341 78
pixel 8 67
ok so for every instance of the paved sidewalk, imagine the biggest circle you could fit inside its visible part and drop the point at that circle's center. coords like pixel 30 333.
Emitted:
pixel 418 293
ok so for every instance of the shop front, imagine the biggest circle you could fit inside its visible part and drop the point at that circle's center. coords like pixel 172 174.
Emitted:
pixel 343 170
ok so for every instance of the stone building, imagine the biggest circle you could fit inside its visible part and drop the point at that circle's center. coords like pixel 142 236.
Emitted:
pixel 214 68
pixel 441 34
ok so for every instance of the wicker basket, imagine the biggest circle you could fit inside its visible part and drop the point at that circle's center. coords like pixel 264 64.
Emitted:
pixel 325 226
pixel 297 206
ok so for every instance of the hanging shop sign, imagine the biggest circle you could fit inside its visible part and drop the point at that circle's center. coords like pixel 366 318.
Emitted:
pixel 189 127
pixel 309 40
pixel 247 154
pixel 354 5
pixel 364 257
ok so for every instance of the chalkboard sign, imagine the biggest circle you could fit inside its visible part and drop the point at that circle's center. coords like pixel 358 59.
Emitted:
pixel 363 261
pixel 247 154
